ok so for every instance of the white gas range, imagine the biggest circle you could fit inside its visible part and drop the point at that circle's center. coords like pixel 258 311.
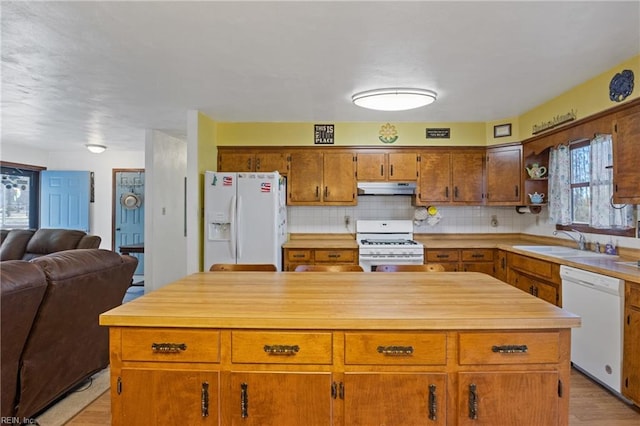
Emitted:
pixel 387 242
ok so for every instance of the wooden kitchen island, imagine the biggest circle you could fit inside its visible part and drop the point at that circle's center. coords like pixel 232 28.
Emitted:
pixel 253 348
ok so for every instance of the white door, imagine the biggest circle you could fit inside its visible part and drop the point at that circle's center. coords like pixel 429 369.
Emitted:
pixel 220 210
pixel 258 204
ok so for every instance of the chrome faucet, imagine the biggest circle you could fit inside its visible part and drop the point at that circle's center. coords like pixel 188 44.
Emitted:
pixel 581 241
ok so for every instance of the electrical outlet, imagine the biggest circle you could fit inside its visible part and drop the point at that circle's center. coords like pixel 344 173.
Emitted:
pixel 347 220
pixel 494 221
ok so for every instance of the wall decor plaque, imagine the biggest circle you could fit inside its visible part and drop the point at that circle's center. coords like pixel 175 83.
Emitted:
pixel 502 130
pixel 438 133
pixel 388 133
pixel 324 134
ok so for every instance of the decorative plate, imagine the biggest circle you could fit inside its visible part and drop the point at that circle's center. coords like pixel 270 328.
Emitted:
pixel 621 86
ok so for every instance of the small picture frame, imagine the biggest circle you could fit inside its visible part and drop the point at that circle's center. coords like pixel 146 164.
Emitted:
pixel 502 130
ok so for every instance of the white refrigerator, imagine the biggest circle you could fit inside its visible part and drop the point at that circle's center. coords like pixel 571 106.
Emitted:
pixel 245 218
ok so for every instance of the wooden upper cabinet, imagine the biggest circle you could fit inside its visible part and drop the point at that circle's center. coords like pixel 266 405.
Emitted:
pixel 317 178
pixel 467 177
pixel 504 175
pixel 400 166
pixel 250 160
pixel 236 161
pixel 626 173
pixel 451 177
pixel 434 185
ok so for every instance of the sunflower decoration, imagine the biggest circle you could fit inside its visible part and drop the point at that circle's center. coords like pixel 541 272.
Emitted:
pixel 388 133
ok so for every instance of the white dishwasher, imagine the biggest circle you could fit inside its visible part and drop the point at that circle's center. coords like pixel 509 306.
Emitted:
pixel 596 347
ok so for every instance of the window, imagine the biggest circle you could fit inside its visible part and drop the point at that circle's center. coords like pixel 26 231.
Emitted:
pixel 588 204
pixel 20 194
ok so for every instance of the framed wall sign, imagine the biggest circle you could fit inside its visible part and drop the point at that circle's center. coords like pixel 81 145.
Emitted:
pixel 502 130
pixel 439 133
pixel 323 134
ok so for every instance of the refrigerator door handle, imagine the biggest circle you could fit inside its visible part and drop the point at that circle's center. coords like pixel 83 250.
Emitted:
pixel 233 220
pixel 239 230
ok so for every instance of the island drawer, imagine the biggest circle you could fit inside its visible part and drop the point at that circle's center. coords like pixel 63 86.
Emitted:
pixel 172 345
pixel 335 255
pixel 509 348
pixel 442 255
pixel 265 347
pixel 396 348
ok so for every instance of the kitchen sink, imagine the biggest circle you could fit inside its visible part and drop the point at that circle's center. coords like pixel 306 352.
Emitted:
pixel 562 252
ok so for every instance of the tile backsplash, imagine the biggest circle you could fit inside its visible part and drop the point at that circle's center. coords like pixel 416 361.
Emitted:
pixel 463 219
pixel 454 220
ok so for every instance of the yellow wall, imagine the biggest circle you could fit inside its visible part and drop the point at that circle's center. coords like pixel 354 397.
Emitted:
pixel 207 143
pixel 585 99
pixel 346 134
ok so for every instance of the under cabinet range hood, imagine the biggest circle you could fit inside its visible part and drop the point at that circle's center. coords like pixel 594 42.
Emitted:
pixel 386 188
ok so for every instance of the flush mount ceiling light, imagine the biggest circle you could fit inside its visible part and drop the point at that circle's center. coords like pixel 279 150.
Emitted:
pixel 394 99
pixel 96 148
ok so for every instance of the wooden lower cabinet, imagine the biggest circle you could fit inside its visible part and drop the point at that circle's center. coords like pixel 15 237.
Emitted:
pixel 295 257
pixel 339 377
pixel 395 398
pixel 536 287
pixel 164 395
pixel 465 260
pixel 631 356
pixel 524 398
pixel 536 277
pixel 280 398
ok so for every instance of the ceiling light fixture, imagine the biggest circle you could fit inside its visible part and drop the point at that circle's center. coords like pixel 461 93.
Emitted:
pixel 96 148
pixel 394 99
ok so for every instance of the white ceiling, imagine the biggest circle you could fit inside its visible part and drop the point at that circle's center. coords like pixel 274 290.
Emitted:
pixel 101 71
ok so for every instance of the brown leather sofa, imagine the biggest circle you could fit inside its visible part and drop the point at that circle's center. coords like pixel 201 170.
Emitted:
pixel 26 244
pixel 51 339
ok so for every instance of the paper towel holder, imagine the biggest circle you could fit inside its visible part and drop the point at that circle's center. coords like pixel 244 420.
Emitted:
pixel 528 209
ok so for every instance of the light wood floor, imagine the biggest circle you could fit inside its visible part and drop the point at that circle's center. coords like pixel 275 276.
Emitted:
pixel 590 405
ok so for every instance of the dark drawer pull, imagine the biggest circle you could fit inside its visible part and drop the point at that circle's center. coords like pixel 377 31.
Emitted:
pixel 477 255
pixel 510 349
pixel 299 256
pixel 442 256
pixel 288 350
pixel 334 256
pixel 168 348
pixel 395 350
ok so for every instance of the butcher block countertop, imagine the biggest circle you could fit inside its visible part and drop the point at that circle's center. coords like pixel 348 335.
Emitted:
pixel 340 300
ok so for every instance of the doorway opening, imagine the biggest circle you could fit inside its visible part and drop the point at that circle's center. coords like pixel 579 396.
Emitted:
pixel 127 229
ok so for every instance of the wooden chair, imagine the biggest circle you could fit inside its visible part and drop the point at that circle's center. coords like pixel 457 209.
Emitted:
pixel 431 267
pixel 329 268
pixel 242 267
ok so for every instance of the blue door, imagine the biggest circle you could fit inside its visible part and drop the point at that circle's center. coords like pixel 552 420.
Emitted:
pixel 64 199
pixel 129 211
